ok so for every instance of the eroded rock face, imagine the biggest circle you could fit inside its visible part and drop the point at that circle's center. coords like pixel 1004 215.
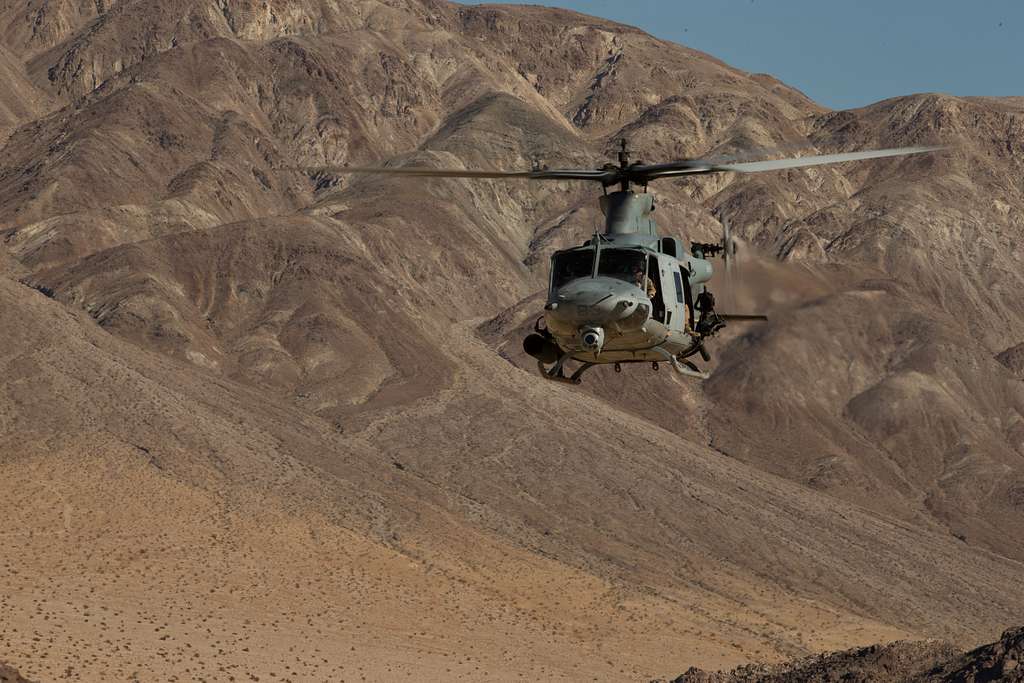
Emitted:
pixel 198 314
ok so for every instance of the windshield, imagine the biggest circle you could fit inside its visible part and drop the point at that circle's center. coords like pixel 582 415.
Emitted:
pixel 623 264
pixel 571 265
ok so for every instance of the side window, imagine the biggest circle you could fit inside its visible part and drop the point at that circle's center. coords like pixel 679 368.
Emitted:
pixel 679 286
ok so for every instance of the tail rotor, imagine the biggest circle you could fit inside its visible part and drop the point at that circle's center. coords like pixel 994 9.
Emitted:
pixel 728 245
pixel 733 275
pixel 729 248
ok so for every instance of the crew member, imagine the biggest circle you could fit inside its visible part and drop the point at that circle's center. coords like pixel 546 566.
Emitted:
pixel 642 281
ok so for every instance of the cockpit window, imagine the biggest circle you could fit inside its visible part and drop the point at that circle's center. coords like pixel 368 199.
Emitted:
pixel 623 264
pixel 572 265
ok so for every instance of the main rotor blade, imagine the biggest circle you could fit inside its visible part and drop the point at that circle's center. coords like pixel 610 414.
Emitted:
pixel 427 172
pixel 739 317
pixel 637 174
pixel 601 175
pixel 693 166
pixel 800 162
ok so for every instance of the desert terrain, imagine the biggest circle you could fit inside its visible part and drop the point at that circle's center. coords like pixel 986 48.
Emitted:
pixel 261 420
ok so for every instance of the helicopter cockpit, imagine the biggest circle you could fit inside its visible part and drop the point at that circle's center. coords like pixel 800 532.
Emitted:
pixel 632 265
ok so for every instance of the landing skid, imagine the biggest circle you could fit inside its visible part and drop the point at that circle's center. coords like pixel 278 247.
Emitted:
pixel 682 367
pixel 556 374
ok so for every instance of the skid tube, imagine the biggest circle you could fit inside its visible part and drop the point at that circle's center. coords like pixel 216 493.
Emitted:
pixel 555 375
pixel 683 368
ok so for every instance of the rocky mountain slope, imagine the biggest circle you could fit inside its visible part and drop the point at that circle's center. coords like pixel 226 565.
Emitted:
pixel 244 395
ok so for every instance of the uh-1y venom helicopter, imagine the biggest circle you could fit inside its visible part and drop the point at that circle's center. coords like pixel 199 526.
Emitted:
pixel 629 295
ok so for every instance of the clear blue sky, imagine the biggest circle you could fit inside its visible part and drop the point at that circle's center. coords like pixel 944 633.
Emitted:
pixel 849 53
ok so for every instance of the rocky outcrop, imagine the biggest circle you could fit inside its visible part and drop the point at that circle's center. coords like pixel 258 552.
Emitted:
pixel 903 662
pixel 10 675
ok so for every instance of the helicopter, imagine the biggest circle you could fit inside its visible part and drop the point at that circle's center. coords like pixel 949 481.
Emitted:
pixel 630 295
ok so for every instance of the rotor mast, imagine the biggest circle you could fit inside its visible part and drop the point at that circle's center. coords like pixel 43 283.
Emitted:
pixel 626 212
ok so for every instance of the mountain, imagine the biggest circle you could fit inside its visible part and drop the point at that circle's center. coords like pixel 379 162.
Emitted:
pixel 259 418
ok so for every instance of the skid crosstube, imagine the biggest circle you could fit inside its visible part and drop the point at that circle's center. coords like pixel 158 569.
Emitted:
pixel 555 374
